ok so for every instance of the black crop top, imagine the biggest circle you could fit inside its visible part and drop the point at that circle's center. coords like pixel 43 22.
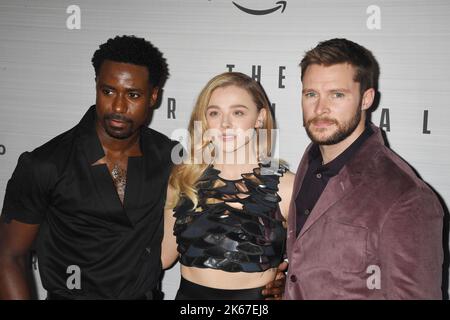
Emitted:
pixel 236 226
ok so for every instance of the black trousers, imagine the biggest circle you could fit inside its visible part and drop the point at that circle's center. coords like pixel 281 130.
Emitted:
pixel 192 291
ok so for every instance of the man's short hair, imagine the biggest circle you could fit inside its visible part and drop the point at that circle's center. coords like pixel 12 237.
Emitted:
pixel 134 50
pixel 335 51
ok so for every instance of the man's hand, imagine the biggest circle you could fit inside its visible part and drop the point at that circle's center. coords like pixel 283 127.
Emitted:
pixel 274 290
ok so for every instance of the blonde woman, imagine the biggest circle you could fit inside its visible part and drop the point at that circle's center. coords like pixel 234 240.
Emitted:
pixel 226 203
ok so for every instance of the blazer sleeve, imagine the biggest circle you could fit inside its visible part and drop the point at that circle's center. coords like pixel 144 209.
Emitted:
pixel 411 250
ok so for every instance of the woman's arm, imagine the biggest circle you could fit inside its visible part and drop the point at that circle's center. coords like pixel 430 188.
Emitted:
pixel 169 253
pixel 285 192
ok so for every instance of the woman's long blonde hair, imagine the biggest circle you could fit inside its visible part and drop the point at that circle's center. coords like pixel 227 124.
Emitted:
pixel 184 177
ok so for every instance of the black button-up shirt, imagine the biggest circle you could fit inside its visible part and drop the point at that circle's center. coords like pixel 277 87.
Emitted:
pixel 89 245
pixel 318 175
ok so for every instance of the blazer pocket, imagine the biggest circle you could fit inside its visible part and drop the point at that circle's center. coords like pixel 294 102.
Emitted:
pixel 343 246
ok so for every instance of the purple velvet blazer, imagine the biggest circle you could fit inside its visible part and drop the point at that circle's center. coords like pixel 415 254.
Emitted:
pixel 375 233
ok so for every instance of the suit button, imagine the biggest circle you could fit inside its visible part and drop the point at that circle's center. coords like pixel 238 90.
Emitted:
pixel 306 212
pixel 319 176
pixel 293 278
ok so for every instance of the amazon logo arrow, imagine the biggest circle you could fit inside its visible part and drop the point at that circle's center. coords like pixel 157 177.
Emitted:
pixel 280 4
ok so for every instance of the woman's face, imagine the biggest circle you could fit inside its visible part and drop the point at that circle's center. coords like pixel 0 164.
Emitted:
pixel 231 117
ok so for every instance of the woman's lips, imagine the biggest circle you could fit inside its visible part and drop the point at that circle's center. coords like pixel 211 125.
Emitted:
pixel 228 137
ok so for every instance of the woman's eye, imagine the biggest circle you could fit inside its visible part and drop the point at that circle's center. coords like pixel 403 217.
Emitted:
pixel 213 113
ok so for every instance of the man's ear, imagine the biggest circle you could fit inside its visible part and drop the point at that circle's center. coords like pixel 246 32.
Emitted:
pixel 154 96
pixel 367 98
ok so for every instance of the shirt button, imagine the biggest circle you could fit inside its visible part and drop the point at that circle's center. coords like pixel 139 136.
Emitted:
pixel 319 176
pixel 293 278
pixel 306 212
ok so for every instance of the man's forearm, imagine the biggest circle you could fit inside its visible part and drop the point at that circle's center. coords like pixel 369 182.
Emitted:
pixel 13 279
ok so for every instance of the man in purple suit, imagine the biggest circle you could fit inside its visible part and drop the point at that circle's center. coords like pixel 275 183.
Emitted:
pixel 362 225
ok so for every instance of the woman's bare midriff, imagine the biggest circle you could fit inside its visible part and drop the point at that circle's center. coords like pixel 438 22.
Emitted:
pixel 227 280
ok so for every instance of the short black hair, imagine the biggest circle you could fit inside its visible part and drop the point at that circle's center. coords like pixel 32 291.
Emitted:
pixel 134 50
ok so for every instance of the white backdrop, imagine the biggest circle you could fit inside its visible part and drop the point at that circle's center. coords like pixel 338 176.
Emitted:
pixel 47 82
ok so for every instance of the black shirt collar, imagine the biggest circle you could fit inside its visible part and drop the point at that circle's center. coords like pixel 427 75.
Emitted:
pixel 86 131
pixel 91 142
pixel 333 167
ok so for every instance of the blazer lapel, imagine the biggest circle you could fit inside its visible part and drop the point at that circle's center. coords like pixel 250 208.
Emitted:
pixel 356 172
pixel 336 189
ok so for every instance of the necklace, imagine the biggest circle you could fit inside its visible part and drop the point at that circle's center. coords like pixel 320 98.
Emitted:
pixel 120 180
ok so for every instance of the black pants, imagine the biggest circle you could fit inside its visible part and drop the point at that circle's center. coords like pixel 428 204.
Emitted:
pixel 192 291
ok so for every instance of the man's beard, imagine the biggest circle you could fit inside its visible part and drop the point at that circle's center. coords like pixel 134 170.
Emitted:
pixel 343 130
pixel 116 132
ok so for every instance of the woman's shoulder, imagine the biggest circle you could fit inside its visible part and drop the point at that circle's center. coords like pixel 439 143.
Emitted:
pixel 286 176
